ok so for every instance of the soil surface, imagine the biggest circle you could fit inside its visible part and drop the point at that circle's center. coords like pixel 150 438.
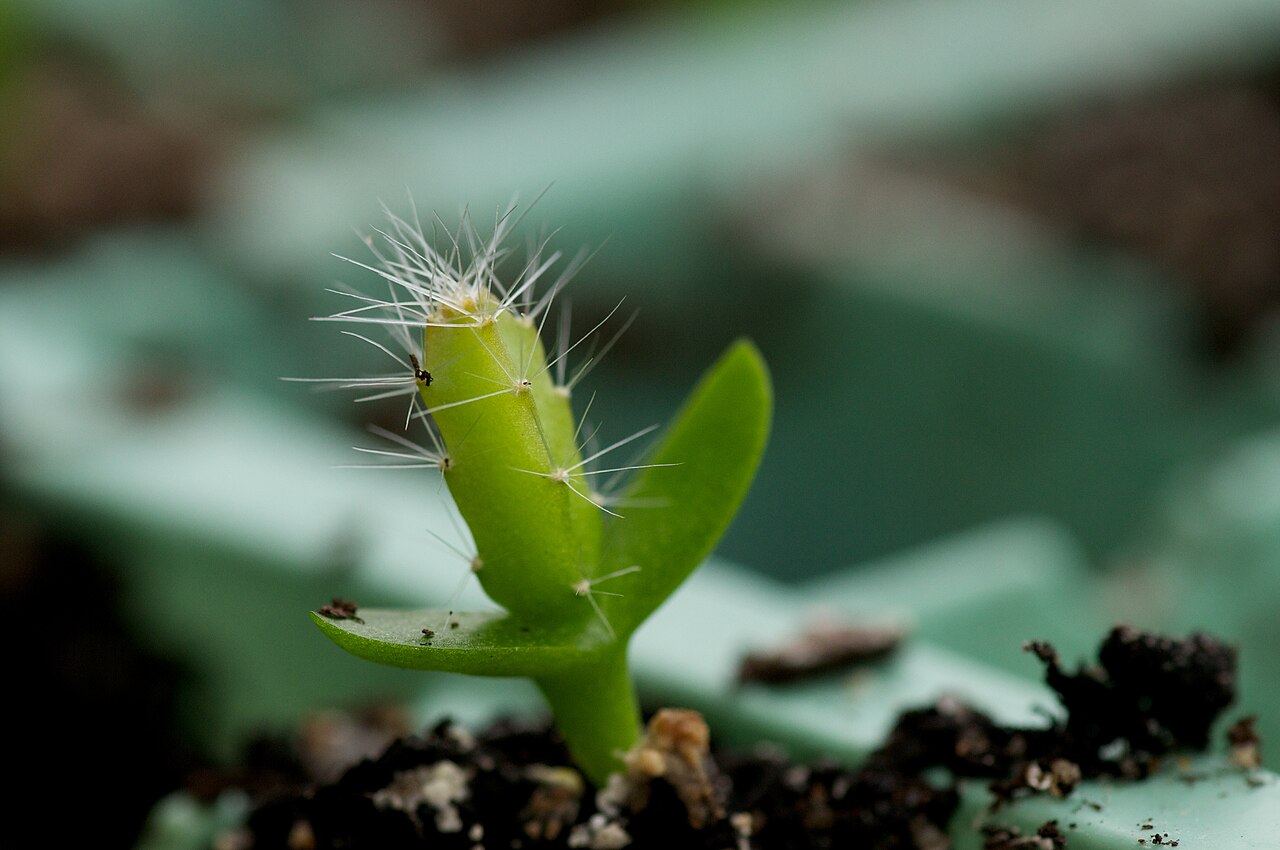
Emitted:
pixel 513 786
pixel 1189 179
pixel 1184 177
pixel 88 153
pixel 97 712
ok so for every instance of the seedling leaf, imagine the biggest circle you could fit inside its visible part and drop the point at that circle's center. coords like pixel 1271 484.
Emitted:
pixel 481 644
pixel 715 442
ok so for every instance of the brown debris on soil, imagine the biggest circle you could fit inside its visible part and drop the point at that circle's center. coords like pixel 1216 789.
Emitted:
pixel 822 649
pixel 676 749
pixel 1245 745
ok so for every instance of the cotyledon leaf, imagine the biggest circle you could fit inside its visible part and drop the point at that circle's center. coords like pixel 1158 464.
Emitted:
pixel 715 445
pixel 480 644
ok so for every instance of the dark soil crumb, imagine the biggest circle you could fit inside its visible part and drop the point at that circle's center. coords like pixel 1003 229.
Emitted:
pixel 514 786
pixel 823 649
pixel 1047 837
pixel 1149 696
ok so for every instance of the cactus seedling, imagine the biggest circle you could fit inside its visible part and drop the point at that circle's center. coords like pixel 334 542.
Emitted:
pixel 577 569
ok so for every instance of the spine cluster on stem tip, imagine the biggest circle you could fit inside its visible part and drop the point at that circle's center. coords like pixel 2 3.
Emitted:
pixel 495 405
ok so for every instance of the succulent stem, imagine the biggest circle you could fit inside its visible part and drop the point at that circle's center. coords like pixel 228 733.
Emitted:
pixel 494 403
pixel 596 711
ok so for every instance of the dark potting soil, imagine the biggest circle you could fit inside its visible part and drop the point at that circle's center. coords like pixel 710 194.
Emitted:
pixel 512 786
pixel 1188 179
pixel 87 153
pixel 97 730
pixel 1184 176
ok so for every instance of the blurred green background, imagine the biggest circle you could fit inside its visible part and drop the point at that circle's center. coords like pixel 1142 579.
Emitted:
pixel 1005 259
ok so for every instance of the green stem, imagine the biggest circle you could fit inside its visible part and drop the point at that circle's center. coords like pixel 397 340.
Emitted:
pixel 596 710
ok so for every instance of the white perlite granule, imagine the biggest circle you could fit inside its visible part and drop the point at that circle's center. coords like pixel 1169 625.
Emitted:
pixel 599 833
pixel 440 786
pixel 445 785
